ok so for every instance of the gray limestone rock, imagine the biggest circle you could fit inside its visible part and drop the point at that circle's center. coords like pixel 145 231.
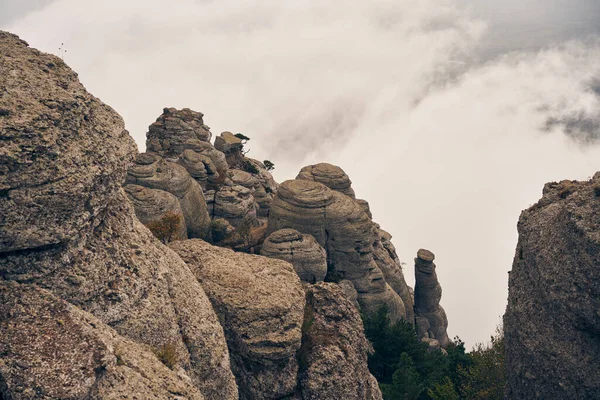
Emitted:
pixel 333 356
pixel 302 251
pixel 232 203
pixel 339 225
pixel 387 260
pixel 153 172
pixel 552 321
pixel 260 304
pixel 227 142
pixel 430 317
pixel 50 349
pixel 86 246
pixel 329 175
pixel 151 205
pixel 176 130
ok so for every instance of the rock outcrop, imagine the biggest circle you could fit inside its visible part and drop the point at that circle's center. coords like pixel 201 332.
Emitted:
pixel 333 356
pixel 51 349
pixel 302 251
pixel 154 172
pixel 68 227
pixel 176 130
pixel 227 142
pixel 260 304
pixel 151 205
pixel 430 317
pixel 329 175
pixel 552 321
pixel 345 231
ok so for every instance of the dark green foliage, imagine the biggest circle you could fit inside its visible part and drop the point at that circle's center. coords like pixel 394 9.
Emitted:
pixel 241 136
pixel 404 367
pixel 269 165
pixel 249 167
pixel 485 378
pixel 443 391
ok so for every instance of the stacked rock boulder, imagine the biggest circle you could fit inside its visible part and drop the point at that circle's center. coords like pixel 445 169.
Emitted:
pixel 71 247
pixel 552 320
pixel 430 317
pixel 341 225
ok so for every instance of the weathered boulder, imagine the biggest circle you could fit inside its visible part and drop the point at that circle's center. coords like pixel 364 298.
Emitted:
pixel 153 172
pixel 232 202
pixel 333 356
pixel 552 321
pixel 329 175
pixel 50 349
pixel 302 251
pixel 199 166
pixel 227 142
pixel 151 205
pixel 84 243
pixel 260 304
pixel 175 130
pixel 339 225
pixel 430 317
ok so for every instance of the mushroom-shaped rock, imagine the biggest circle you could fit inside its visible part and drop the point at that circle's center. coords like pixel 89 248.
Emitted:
pixel 49 346
pixel 64 159
pixel 151 205
pixel 333 356
pixel 429 315
pixel 339 225
pixel 302 251
pixel 329 175
pixel 174 130
pixel 227 142
pixel 153 172
pixel 260 304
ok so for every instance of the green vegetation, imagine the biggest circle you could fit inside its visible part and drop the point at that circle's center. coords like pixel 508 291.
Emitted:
pixel 167 354
pixel 269 165
pixel 249 167
pixel 242 137
pixel 406 370
pixel 166 228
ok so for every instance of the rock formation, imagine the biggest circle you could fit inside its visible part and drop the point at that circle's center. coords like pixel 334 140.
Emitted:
pixel 552 321
pixel 67 226
pixel 260 303
pixel 152 204
pixel 302 251
pixel 175 130
pixel 333 357
pixel 227 142
pixel 154 172
pixel 430 317
pixel 53 350
pixel 344 230
pixel 329 175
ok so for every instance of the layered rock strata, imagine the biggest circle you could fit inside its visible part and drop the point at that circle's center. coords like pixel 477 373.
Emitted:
pixel 552 321
pixel 329 175
pixel 344 230
pixel 67 225
pixel 302 251
pixel 430 317
pixel 175 130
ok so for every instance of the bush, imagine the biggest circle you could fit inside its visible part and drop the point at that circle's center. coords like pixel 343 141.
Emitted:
pixel 242 137
pixel 269 166
pixel 167 354
pixel 249 167
pixel 166 228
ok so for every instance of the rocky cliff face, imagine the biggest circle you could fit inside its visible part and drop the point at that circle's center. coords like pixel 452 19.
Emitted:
pixel 552 321
pixel 93 306
pixel 67 227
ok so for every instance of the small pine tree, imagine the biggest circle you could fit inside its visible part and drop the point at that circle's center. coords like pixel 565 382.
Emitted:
pixel 269 165
pixel 166 228
pixel 242 137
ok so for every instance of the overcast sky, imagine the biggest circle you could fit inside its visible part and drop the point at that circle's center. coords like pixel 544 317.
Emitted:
pixel 449 116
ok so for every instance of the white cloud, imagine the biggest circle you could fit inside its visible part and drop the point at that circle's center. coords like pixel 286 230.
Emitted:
pixel 447 150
